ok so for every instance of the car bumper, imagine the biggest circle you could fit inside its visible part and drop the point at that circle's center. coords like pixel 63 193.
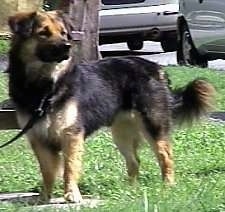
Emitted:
pixel 130 20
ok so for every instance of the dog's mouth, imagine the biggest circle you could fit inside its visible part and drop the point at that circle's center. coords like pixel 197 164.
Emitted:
pixel 53 53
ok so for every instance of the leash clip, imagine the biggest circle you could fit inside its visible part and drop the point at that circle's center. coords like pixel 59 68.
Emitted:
pixel 39 112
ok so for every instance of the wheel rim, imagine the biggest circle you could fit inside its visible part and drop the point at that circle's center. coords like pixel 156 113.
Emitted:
pixel 186 48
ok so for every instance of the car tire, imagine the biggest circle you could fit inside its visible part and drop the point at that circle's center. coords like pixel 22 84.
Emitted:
pixel 169 44
pixel 186 52
pixel 135 44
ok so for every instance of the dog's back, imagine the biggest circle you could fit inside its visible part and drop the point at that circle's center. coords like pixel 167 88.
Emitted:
pixel 106 87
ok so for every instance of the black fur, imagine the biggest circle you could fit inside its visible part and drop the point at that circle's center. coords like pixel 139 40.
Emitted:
pixel 104 88
pixel 101 88
pixel 25 93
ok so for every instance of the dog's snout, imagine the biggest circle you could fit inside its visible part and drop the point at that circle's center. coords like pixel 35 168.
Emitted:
pixel 56 51
pixel 65 46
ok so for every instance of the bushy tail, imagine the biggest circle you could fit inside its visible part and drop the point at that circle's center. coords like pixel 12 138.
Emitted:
pixel 193 101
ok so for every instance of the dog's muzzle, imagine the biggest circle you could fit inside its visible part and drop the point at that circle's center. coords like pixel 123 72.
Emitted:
pixel 56 52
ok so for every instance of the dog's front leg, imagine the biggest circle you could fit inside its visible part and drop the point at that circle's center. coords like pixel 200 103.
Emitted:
pixel 72 150
pixel 49 162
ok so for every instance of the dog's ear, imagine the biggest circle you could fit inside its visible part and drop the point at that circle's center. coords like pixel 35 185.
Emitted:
pixel 22 23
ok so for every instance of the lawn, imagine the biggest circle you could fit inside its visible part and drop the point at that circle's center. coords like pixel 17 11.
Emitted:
pixel 198 154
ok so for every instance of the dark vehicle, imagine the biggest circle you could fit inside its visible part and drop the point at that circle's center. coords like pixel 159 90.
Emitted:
pixel 201 32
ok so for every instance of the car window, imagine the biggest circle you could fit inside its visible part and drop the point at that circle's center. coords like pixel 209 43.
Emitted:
pixel 114 2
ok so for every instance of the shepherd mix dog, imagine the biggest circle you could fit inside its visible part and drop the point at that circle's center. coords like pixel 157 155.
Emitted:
pixel 129 94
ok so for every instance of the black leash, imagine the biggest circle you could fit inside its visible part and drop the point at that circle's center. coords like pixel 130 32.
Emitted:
pixel 38 114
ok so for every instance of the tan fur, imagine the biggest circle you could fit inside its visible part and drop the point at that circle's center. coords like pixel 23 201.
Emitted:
pixel 54 24
pixel 49 162
pixel 57 128
pixel 36 68
pixel 163 152
pixel 53 125
pixel 127 135
pixel 72 147
pixel 206 91
pixel 128 131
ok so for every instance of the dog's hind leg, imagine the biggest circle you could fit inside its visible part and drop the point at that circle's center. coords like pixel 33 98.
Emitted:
pixel 163 151
pixel 153 103
pixel 127 138
pixel 49 162
pixel 72 146
pixel 157 135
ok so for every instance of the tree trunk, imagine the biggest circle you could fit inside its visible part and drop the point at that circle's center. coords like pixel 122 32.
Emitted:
pixel 85 16
pixel 90 27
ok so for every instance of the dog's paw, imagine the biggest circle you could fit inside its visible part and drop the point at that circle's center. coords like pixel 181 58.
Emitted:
pixel 132 181
pixel 169 180
pixel 73 196
pixel 44 198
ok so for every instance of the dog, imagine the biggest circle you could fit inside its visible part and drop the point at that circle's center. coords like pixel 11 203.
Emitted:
pixel 129 94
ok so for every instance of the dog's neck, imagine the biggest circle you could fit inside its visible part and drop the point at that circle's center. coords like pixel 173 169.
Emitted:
pixel 60 69
pixel 32 67
pixel 52 71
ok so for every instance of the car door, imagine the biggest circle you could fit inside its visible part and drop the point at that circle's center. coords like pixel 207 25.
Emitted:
pixel 206 22
pixel 128 14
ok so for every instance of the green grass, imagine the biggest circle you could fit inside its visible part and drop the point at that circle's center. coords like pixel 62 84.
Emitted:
pixel 180 76
pixel 198 154
pixel 4 47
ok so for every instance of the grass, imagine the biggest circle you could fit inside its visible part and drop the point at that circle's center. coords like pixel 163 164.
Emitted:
pixel 4 47
pixel 181 75
pixel 198 154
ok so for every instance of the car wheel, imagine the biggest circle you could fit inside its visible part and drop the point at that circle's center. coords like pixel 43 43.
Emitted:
pixel 186 52
pixel 135 44
pixel 169 44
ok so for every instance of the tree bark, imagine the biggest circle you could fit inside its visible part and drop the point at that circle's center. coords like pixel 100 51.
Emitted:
pixel 91 32
pixel 85 16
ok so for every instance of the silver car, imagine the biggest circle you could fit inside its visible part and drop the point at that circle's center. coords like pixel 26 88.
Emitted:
pixel 201 31
pixel 134 21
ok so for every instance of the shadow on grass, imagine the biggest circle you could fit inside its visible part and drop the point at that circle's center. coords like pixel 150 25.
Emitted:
pixel 25 198
pixel 33 200
pixel 208 172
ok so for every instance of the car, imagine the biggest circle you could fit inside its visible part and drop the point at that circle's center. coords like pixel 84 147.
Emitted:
pixel 134 21
pixel 200 32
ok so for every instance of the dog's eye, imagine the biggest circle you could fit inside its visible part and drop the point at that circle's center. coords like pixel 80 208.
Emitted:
pixel 44 33
pixel 63 33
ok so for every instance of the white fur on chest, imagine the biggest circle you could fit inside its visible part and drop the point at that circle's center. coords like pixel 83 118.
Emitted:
pixel 53 125
pixel 60 69
pixel 37 69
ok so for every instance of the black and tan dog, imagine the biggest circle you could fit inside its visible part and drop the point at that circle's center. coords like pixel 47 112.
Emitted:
pixel 129 94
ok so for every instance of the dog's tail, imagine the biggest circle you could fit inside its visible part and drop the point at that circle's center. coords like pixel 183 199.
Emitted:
pixel 194 100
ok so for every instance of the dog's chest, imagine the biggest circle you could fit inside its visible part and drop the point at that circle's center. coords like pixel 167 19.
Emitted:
pixel 52 127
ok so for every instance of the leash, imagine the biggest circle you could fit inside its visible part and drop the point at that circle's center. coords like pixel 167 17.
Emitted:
pixel 38 114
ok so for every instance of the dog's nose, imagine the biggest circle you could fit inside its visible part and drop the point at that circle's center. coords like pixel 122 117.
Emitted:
pixel 66 46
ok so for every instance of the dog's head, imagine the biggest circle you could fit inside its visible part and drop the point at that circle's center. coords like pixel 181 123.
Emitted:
pixel 41 35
